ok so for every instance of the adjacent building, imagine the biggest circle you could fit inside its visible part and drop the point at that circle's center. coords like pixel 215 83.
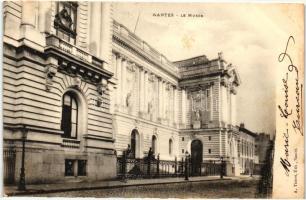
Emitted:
pixel 174 108
pixel 246 150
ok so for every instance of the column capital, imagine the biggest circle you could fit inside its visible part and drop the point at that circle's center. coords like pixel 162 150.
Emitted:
pixel 118 55
pixel 124 58
pixel 140 67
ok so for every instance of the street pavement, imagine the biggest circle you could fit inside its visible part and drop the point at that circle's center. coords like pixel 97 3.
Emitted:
pixel 129 188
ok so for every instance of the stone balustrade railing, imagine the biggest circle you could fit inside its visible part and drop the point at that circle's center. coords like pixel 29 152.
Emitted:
pixel 150 51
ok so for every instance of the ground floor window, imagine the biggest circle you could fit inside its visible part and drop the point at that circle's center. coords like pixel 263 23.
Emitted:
pixel 75 167
pixel 69 167
pixel 82 167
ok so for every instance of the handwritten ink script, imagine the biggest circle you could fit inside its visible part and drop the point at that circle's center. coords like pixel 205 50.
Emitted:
pixel 290 110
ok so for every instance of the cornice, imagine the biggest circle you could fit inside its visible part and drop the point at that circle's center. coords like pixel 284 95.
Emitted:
pixel 118 40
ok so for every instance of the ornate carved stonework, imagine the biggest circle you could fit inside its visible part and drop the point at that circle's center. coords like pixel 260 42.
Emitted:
pixel 224 82
pixel 151 77
pixel 128 100
pixel 63 19
pixel 102 86
pixel 131 67
pixel 76 81
pixel 50 73
pixel 197 99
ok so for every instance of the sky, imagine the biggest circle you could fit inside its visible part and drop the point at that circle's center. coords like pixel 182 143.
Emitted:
pixel 251 36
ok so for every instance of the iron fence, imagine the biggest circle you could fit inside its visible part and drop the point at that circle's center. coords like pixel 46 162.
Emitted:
pixel 9 162
pixel 132 168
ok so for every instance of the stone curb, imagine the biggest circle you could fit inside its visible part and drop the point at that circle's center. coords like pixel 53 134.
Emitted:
pixel 38 191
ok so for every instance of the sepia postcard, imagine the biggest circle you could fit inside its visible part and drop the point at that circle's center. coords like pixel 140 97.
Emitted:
pixel 153 100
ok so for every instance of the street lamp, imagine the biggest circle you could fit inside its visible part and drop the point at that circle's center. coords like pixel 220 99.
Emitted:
pixel 22 183
pixel 222 167
pixel 186 166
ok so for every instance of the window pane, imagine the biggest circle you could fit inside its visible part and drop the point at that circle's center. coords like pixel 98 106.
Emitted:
pixel 66 120
pixel 74 104
pixel 74 116
pixel 73 130
pixel 82 167
pixel 69 169
pixel 67 100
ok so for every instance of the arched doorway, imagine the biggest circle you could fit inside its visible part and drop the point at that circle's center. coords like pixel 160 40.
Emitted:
pixel 134 143
pixel 196 157
pixel 154 144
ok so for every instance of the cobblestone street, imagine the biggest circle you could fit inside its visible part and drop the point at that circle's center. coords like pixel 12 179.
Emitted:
pixel 207 189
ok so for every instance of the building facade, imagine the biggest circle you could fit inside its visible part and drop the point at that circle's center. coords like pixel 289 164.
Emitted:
pixel 247 150
pixel 80 88
pixel 55 91
pixel 174 108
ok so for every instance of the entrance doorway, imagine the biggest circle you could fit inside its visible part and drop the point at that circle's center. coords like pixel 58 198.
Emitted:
pixel 196 157
pixel 134 144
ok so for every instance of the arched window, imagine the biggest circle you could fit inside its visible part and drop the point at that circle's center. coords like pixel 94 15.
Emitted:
pixel 154 144
pixel 170 147
pixel 69 122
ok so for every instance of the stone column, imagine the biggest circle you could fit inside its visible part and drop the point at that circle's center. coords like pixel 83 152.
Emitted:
pixel 44 16
pixel 145 107
pixel 211 99
pixel 183 106
pixel 119 78
pixel 159 97
pixel 141 88
pixel 175 113
pixel 162 99
pixel 28 18
pixel 172 105
pixel 106 33
pixel 234 111
pixel 95 28
pixel 123 81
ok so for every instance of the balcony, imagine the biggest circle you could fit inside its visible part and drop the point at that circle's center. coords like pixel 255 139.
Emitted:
pixel 65 46
pixel 75 60
pixel 71 143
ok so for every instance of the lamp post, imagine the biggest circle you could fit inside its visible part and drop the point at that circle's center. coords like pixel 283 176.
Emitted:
pixel 186 166
pixel 222 167
pixel 22 183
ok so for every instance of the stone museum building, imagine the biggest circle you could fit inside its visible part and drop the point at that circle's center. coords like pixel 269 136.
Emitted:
pixel 79 88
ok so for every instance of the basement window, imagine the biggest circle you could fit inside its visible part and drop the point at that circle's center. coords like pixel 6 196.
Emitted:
pixel 82 167
pixel 69 167
pixel 75 167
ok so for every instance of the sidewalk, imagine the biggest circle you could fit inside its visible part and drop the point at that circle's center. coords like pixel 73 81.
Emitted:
pixel 77 186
